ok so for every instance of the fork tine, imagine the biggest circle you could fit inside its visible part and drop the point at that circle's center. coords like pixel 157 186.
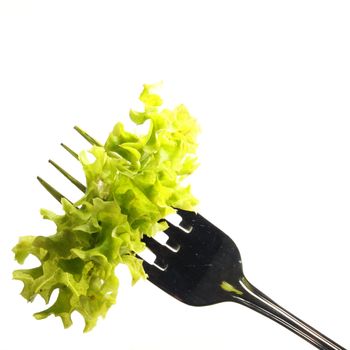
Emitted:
pixel 87 137
pixel 177 236
pixel 161 251
pixel 188 218
pixel 57 195
pixel 69 150
pixel 54 193
pixel 153 272
pixel 72 179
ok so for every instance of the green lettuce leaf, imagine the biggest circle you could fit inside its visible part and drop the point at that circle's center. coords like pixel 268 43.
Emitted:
pixel 133 182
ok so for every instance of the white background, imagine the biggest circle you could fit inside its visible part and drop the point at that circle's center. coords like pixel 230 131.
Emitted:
pixel 269 82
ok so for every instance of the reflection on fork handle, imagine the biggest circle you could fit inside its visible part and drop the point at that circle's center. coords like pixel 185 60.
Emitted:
pixel 256 300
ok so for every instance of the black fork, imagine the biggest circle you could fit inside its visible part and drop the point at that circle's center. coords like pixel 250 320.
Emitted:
pixel 205 268
pixel 200 265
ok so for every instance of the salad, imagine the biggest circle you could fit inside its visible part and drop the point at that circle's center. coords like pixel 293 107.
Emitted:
pixel 132 183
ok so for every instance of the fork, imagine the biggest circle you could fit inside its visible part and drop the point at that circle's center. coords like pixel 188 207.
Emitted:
pixel 200 265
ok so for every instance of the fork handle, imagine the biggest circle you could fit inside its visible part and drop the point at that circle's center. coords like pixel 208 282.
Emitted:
pixel 258 301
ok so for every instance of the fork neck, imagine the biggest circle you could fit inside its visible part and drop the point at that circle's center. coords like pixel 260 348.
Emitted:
pixel 246 294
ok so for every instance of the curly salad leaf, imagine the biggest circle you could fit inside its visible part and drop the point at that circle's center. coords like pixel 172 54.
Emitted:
pixel 133 182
